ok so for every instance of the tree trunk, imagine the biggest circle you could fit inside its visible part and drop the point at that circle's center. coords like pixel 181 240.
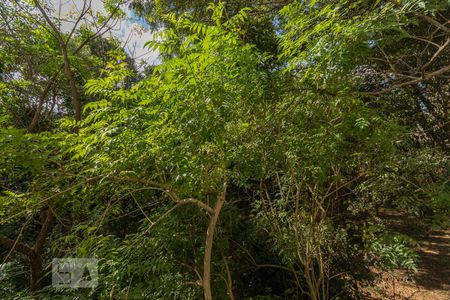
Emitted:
pixel 34 125
pixel 209 244
pixel 73 86
pixel 34 254
pixel 36 270
pixel 69 74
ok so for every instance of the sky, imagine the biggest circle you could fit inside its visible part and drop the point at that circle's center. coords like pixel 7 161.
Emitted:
pixel 132 31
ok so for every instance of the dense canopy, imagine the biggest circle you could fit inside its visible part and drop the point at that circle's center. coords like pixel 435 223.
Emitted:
pixel 258 158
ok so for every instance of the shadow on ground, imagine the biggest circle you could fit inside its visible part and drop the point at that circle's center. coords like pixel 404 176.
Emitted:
pixel 432 279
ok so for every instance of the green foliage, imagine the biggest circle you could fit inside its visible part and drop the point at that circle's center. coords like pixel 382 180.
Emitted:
pixel 323 41
pixel 308 159
pixel 392 251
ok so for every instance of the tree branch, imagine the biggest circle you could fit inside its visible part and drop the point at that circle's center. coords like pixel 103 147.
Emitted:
pixel 427 76
pixel 15 245
pixel 209 244
pixel 45 229
pixel 33 127
pixel 69 74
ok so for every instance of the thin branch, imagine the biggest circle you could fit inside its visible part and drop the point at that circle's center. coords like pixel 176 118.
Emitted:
pixel 49 21
pixel 410 82
pixel 436 23
pixel 168 190
pixel 229 281
pixel 15 245
pixel 424 40
pixel 45 229
pixel 436 54
pixel 17 239
pixel 209 244
pixel 35 122
pixel 46 200
pixel 83 12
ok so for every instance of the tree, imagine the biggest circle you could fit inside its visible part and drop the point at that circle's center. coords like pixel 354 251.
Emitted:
pixel 235 168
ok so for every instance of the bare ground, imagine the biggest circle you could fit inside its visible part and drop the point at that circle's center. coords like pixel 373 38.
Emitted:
pixel 432 279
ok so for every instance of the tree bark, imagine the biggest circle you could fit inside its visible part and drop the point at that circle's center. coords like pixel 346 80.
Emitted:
pixel 209 244
pixel 33 254
pixel 69 74
pixel 36 270
pixel 73 86
pixel 34 125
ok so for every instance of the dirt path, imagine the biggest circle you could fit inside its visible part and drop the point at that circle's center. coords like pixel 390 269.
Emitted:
pixel 432 279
